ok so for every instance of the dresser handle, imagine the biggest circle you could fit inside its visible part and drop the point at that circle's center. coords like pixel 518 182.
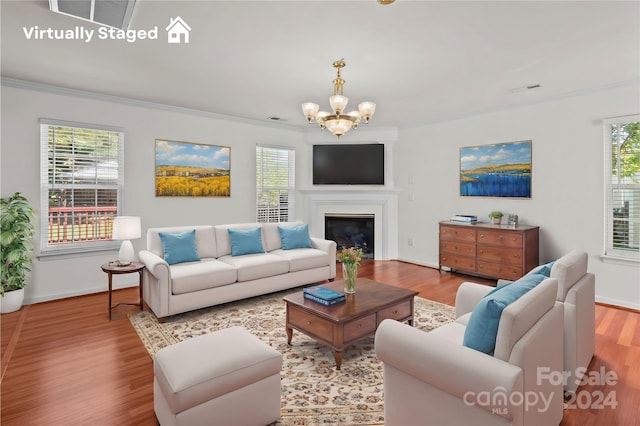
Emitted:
pixel 308 322
pixel 500 237
pixel 395 312
pixel 360 325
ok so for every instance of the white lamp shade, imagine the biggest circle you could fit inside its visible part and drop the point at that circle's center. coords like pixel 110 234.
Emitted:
pixel 338 126
pixel 310 110
pixel 367 109
pixel 338 103
pixel 126 228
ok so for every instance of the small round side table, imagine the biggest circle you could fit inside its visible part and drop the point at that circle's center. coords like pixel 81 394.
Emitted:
pixel 112 268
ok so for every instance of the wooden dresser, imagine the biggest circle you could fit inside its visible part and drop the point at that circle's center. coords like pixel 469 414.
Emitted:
pixel 492 251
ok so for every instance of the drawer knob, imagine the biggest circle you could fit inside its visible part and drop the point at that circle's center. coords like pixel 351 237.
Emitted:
pixel 360 325
pixel 395 312
pixel 308 322
pixel 500 237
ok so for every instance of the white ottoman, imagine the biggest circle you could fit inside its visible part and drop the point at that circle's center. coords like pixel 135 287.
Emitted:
pixel 229 377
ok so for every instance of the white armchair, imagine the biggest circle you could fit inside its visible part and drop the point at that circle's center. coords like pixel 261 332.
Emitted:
pixel 576 290
pixel 432 379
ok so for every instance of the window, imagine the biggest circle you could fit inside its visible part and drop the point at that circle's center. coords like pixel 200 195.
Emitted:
pixel 275 183
pixel 622 165
pixel 81 179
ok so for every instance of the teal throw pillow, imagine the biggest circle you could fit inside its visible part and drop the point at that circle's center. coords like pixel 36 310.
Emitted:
pixel 543 269
pixel 180 247
pixel 482 327
pixel 294 237
pixel 245 241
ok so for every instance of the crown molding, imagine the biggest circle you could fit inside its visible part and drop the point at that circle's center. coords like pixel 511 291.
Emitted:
pixel 85 94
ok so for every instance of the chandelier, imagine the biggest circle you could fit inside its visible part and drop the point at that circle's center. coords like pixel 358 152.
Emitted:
pixel 338 122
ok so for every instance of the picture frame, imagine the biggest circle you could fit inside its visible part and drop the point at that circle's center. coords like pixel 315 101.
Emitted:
pixel 188 169
pixel 501 170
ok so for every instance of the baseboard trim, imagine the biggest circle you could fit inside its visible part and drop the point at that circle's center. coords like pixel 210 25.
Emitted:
pixel 419 262
pixel 83 292
pixel 617 302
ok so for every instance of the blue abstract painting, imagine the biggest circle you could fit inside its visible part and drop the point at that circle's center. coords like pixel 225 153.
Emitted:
pixel 499 170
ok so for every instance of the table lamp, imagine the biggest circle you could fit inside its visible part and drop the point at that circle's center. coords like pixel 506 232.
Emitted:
pixel 126 228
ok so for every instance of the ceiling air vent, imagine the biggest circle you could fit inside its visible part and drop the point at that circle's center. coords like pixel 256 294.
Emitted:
pixel 114 13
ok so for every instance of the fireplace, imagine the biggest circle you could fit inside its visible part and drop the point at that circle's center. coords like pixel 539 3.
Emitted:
pixel 351 230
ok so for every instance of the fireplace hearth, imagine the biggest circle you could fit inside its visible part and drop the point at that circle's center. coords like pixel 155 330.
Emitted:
pixel 351 230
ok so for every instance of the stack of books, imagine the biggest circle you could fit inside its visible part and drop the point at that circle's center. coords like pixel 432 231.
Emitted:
pixel 467 218
pixel 323 295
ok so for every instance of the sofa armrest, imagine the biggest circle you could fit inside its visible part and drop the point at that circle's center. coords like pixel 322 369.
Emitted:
pixel 157 266
pixel 450 367
pixel 468 296
pixel 502 282
pixel 329 247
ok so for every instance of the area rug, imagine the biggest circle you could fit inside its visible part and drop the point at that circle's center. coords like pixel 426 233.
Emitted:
pixel 313 391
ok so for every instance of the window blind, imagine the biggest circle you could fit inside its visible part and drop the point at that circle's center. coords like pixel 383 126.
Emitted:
pixel 622 156
pixel 81 177
pixel 275 183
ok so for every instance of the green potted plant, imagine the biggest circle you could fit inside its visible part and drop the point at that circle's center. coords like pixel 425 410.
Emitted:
pixel 16 242
pixel 496 217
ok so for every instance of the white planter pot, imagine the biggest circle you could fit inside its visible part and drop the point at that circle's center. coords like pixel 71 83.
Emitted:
pixel 12 301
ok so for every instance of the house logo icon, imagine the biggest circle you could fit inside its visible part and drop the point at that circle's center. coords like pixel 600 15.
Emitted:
pixel 178 31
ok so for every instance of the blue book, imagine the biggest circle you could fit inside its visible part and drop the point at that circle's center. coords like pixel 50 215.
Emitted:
pixel 323 293
pixel 331 302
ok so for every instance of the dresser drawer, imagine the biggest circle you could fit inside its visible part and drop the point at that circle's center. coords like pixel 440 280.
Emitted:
pixel 457 233
pixel 510 256
pixel 456 247
pixel 458 262
pixel 310 323
pixel 498 270
pixel 397 312
pixel 359 328
pixel 500 238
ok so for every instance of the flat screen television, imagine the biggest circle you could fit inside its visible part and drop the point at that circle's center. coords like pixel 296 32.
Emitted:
pixel 356 164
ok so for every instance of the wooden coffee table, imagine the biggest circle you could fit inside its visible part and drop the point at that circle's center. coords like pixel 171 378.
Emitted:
pixel 342 324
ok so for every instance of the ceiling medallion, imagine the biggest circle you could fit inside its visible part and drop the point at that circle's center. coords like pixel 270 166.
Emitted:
pixel 338 122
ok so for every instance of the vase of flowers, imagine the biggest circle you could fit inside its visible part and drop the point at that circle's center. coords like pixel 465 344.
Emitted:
pixel 350 258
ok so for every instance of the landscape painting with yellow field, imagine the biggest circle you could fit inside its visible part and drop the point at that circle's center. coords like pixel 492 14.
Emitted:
pixel 186 169
pixel 499 170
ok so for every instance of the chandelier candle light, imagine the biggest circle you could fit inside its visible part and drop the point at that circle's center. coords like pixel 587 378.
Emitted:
pixel 339 122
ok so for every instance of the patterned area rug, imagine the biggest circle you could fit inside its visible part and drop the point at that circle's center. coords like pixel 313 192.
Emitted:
pixel 313 391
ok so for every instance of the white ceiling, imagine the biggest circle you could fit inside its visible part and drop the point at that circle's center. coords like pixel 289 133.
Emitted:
pixel 420 61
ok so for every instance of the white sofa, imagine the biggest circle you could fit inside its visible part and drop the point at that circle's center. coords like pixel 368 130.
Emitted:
pixel 432 379
pixel 220 277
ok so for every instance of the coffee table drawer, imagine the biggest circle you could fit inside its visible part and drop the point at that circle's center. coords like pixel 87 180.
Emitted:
pixel 397 312
pixel 359 327
pixel 310 323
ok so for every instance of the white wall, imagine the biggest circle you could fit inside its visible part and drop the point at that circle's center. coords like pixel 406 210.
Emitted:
pixel 567 185
pixel 56 277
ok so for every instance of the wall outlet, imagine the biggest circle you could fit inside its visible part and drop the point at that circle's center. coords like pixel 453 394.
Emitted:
pixel 410 242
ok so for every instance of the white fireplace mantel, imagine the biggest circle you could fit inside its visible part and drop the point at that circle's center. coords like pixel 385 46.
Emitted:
pixel 380 202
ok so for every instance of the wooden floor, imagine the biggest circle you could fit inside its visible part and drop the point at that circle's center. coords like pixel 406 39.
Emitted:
pixel 65 363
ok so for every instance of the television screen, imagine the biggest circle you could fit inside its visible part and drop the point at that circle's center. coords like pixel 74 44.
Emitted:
pixel 357 164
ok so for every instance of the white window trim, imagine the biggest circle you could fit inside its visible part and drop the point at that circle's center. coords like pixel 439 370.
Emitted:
pixel 83 247
pixel 610 254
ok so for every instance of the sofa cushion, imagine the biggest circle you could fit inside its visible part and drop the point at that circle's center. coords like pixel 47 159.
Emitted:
pixel 295 237
pixel 245 241
pixel 304 258
pixel 179 247
pixel 195 276
pixel 255 266
pixel 205 239
pixel 271 235
pixel 223 241
pixel 482 327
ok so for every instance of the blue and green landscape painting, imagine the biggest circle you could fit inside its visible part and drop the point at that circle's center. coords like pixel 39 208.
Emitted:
pixel 500 170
